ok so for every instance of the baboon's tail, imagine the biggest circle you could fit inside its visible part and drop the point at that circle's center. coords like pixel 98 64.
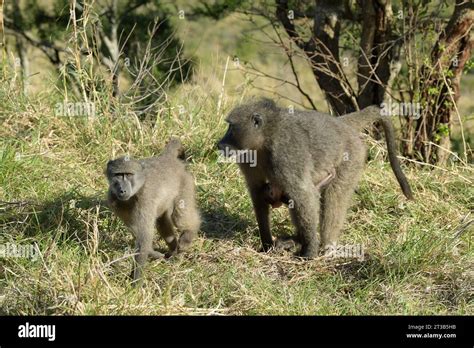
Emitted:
pixel 365 118
pixel 392 156
pixel 362 119
pixel 175 149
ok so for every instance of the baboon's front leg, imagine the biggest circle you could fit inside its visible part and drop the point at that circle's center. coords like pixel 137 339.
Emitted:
pixel 140 260
pixel 144 248
pixel 262 213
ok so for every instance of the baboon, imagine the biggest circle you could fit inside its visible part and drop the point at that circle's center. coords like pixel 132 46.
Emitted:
pixel 311 158
pixel 155 192
pixel 274 196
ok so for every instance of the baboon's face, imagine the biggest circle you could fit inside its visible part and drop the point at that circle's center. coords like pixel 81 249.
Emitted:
pixel 125 178
pixel 274 196
pixel 125 185
pixel 245 131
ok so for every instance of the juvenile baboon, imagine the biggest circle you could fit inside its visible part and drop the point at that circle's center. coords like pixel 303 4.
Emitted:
pixel 151 193
pixel 311 158
pixel 274 196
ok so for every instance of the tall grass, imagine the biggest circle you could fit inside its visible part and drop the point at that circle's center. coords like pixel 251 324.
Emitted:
pixel 417 260
pixel 418 256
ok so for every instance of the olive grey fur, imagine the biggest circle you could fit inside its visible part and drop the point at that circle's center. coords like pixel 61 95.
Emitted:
pixel 310 158
pixel 155 192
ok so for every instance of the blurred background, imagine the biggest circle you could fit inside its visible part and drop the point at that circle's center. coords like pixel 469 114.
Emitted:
pixel 334 56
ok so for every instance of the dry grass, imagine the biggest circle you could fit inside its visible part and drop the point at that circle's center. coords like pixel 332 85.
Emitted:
pixel 418 258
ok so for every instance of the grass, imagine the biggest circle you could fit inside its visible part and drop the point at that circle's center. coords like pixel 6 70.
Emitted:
pixel 52 193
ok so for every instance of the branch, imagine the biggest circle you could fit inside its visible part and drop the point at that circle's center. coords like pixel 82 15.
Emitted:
pixel 282 15
pixel 48 48
pixel 289 54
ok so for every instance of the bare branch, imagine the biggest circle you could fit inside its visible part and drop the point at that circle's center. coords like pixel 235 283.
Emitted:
pixel 282 15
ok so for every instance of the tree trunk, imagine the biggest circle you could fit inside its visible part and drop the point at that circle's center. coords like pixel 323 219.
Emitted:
pixel 323 50
pixel 111 42
pixel 3 49
pixel 22 53
pixel 24 62
pixel 439 85
pixel 2 38
pixel 374 59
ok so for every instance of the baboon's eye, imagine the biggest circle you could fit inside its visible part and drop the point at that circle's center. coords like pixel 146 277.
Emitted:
pixel 122 176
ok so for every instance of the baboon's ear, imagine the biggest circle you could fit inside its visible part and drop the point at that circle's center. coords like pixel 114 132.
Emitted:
pixel 267 103
pixel 107 167
pixel 257 120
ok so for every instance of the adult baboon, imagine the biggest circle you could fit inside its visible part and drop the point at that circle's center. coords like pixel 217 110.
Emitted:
pixel 154 192
pixel 311 158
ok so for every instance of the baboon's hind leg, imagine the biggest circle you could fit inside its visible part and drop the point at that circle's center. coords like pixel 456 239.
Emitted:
pixel 336 199
pixel 305 217
pixel 187 221
pixel 185 216
pixel 165 227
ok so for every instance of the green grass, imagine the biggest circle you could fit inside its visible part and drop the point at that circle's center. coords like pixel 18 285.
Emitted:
pixel 52 190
